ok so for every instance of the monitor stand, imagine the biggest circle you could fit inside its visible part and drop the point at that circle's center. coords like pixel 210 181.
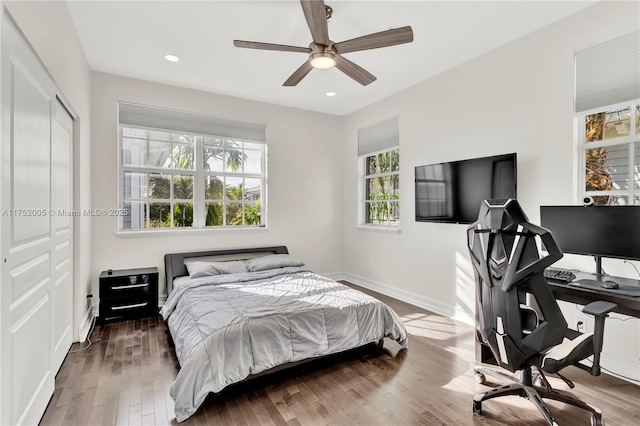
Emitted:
pixel 598 266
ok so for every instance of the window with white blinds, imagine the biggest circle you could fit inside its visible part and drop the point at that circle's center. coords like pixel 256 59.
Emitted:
pixel 607 105
pixel 379 158
pixel 181 170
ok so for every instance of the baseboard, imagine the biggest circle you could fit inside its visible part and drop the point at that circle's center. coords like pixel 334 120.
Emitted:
pixel 621 368
pixel 87 321
pixel 429 304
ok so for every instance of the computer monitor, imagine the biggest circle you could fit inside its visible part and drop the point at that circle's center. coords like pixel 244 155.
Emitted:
pixel 599 231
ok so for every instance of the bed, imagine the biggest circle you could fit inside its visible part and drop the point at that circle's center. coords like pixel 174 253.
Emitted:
pixel 240 313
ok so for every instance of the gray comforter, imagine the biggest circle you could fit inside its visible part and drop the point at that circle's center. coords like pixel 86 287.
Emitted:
pixel 227 327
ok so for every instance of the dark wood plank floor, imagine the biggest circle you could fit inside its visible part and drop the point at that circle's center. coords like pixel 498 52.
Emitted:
pixel 125 376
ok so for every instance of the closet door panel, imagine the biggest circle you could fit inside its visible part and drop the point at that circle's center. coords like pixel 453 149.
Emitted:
pixel 31 148
pixel 61 204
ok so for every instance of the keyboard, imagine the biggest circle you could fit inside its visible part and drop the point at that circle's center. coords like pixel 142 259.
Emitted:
pixel 559 275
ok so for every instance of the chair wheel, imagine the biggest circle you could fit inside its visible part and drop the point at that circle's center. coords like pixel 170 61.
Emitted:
pixel 480 378
pixel 477 407
pixel 596 420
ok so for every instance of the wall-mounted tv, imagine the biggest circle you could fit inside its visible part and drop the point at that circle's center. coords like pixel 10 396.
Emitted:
pixel 453 192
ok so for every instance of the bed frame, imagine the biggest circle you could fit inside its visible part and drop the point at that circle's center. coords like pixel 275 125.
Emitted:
pixel 174 263
pixel 175 267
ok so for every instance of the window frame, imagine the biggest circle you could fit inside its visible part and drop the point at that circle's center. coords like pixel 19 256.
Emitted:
pixel 363 203
pixel 633 144
pixel 199 196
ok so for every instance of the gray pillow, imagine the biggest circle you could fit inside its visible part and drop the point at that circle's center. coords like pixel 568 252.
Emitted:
pixel 272 261
pixel 202 269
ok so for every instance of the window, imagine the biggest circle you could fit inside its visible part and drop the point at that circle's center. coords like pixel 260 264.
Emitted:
pixel 181 179
pixel 379 165
pixel 607 105
pixel 610 154
pixel 382 188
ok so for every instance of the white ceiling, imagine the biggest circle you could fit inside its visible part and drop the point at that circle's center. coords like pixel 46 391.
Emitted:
pixel 130 38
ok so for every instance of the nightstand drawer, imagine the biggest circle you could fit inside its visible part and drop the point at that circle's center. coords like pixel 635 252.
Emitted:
pixel 129 306
pixel 129 285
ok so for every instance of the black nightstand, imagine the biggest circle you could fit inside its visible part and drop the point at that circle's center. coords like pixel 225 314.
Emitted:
pixel 128 293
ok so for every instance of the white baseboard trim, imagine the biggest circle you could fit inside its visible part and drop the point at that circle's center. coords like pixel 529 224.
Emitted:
pixel 87 320
pixel 621 368
pixel 432 305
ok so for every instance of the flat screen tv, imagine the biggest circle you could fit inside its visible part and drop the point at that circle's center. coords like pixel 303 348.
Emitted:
pixel 453 192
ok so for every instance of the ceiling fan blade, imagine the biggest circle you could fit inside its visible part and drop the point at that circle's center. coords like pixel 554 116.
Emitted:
pixel 376 40
pixel 299 74
pixel 354 71
pixel 270 46
pixel 317 20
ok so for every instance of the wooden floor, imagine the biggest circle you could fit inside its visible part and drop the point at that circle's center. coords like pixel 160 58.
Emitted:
pixel 125 376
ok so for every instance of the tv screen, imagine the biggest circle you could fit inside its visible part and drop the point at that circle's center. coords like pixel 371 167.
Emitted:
pixel 605 231
pixel 453 192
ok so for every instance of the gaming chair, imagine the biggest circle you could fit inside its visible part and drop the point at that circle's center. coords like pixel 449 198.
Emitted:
pixel 517 315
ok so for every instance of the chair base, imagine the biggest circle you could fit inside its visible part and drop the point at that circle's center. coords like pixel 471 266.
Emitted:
pixel 525 389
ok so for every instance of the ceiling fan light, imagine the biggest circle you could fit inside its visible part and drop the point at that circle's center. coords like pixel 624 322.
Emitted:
pixel 322 60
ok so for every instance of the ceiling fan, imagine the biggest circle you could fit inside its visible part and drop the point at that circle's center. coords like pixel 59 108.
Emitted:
pixel 324 53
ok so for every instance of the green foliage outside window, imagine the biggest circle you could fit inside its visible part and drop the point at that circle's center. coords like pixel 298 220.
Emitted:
pixel 613 167
pixel 597 177
pixel 382 187
pixel 183 158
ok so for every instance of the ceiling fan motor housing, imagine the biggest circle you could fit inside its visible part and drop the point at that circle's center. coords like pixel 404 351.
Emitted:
pixel 322 57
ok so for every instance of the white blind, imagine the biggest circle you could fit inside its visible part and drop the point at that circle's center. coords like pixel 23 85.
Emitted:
pixel 377 137
pixel 608 73
pixel 166 119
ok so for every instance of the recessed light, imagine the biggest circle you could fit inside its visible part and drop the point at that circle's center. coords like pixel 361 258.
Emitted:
pixel 171 58
pixel 331 93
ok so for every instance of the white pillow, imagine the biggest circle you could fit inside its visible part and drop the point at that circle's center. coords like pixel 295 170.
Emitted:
pixel 272 261
pixel 202 269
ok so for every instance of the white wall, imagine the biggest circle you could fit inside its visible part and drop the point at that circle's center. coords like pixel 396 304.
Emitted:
pixel 517 98
pixel 64 58
pixel 304 181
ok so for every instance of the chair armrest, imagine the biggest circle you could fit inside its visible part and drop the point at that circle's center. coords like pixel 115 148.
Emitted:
pixel 599 308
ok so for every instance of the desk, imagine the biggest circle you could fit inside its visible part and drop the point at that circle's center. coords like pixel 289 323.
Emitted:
pixel 627 305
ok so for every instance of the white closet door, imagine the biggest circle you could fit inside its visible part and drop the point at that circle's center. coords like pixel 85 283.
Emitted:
pixel 36 251
pixel 62 235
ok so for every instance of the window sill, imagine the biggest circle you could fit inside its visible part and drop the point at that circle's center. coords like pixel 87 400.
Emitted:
pixel 381 229
pixel 185 232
